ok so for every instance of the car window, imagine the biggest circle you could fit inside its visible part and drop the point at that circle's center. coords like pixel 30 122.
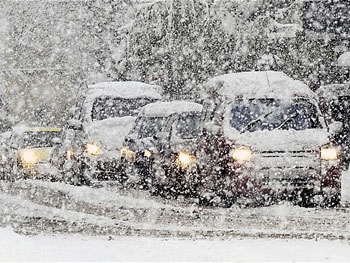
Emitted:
pixel 107 107
pixel 268 114
pixel 151 126
pixel 187 126
pixel 39 139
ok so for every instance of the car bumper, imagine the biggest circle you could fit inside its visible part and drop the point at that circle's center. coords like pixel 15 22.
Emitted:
pixel 281 181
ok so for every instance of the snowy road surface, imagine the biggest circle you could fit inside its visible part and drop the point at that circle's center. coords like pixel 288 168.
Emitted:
pixel 45 213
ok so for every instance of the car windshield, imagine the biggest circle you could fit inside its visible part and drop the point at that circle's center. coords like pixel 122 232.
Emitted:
pixel 187 126
pixel 104 108
pixel 39 139
pixel 151 126
pixel 269 114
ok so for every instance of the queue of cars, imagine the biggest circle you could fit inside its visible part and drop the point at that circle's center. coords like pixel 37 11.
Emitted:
pixel 257 136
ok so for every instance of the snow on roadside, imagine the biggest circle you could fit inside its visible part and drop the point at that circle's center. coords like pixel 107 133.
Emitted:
pixel 345 191
pixel 14 247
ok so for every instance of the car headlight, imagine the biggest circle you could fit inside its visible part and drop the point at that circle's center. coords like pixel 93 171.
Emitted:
pixel 329 153
pixel 69 154
pixel 242 153
pixel 128 154
pixel 148 153
pixel 185 159
pixel 93 149
pixel 28 157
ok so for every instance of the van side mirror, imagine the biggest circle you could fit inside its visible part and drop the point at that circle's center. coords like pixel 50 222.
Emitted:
pixel 335 127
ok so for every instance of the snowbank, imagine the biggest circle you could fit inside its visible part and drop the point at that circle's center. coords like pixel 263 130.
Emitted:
pixel 14 247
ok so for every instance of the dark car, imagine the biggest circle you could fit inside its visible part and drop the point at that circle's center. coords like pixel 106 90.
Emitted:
pixel 160 148
pixel 264 139
pixel 335 105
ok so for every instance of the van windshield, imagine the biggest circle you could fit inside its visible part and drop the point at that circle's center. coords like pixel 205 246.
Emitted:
pixel 106 107
pixel 269 114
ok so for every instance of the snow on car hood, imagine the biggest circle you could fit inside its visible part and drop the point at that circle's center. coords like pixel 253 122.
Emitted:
pixel 281 140
pixel 110 133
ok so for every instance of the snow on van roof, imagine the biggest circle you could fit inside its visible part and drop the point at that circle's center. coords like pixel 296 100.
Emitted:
pixel 160 109
pixel 333 90
pixel 124 89
pixel 257 84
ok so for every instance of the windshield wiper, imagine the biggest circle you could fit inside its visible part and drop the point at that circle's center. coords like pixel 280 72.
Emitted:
pixel 251 124
pixel 287 120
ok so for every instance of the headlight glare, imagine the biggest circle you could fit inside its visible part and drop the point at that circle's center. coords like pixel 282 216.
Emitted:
pixel 128 154
pixel 185 159
pixel 329 153
pixel 28 157
pixel 93 149
pixel 69 154
pixel 148 154
pixel 242 154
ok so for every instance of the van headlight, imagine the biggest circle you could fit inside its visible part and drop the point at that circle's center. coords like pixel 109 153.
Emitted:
pixel 93 149
pixel 241 153
pixel 329 153
pixel 128 154
pixel 185 160
pixel 28 157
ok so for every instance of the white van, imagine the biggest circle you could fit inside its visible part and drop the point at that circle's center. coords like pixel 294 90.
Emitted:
pixel 92 143
pixel 264 138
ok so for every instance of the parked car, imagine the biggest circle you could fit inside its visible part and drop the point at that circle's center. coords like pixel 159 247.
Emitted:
pixel 105 114
pixel 264 138
pixel 160 148
pixel 335 105
pixel 29 150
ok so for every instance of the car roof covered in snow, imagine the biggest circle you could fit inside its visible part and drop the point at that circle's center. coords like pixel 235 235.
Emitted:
pixel 123 89
pixel 256 84
pixel 163 109
pixel 333 90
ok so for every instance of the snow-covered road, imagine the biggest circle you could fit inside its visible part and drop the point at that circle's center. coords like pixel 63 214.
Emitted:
pixel 39 210
pixel 33 207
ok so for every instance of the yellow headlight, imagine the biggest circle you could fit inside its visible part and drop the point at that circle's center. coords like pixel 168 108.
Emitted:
pixel 93 149
pixel 28 157
pixel 148 154
pixel 129 155
pixel 185 160
pixel 329 154
pixel 69 154
pixel 242 154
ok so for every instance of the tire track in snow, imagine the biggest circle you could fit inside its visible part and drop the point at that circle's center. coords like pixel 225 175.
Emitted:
pixel 120 213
